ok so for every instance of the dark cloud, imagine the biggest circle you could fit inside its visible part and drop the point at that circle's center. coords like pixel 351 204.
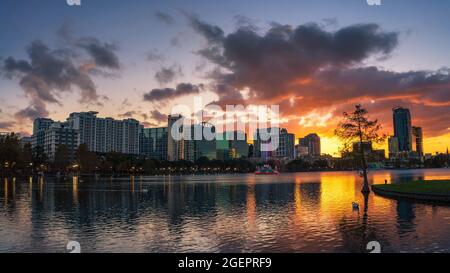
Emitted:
pixel 104 54
pixel 154 56
pixel 158 116
pixel 307 68
pixel 128 114
pixel 269 63
pixel 36 109
pixel 164 94
pixel 175 42
pixel 213 34
pixel 165 18
pixel 168 74
pixel 244 22
pixel 147 124
pixel 49 72
pixel 6 125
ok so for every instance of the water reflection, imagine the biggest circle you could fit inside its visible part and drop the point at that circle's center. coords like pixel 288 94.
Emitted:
pixel 302 212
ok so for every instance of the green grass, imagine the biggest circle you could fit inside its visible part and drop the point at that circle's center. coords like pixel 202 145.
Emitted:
pixel 419 187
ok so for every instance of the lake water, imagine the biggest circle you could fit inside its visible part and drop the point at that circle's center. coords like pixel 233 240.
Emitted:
pixel 292 212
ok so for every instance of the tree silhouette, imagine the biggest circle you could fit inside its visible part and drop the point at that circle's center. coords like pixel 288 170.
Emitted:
pixel 356 127
pixel 86 159
pixel 62 158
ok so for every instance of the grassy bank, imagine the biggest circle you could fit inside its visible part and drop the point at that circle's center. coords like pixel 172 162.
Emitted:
pixel 441 187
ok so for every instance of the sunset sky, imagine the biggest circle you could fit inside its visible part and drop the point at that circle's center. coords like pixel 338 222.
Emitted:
pixel 315 59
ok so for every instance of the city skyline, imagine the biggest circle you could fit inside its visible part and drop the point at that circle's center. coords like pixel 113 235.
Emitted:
pixel 177 50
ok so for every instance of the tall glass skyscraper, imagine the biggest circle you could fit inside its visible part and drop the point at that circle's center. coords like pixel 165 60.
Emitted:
pixel 403 128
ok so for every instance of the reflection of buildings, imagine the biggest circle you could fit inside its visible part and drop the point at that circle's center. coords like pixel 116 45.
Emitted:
pixel 405 216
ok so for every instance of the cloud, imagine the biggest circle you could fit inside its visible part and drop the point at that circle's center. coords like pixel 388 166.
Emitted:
pixel 307 68
pixel 158 116
pixel 268 63
pixel 155 56
pixel 213 34
pixel 165 94
pixel 48 72
pixel 168 74
pixel 35 110
pixel 128 114
pixel 165 18
pixel 103 54
pixel 6 125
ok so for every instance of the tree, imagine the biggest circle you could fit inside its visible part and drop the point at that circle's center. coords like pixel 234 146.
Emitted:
pixel 114 159
pixel 62 158
pixel 39 157
pixel 86 159
pixel 356 127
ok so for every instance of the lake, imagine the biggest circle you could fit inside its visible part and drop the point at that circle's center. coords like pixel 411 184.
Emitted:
pixel 291 212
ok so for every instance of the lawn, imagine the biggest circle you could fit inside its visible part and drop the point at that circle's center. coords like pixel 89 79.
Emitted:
pixel 441 187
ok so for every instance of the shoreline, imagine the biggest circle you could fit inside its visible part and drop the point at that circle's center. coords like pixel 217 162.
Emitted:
pixel 423 197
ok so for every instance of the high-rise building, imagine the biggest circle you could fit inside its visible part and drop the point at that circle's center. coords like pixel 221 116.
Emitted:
pixel 402 128
pixel 199 145
pixel 60 133
pixel 231 145
pixel 301 151
pixel 85 124
pixel 283 147
pixel 175 146
pixel 418 140
pixel 393 147
pixel 312 141
pixel 106 134
pixel 40 125
pixel 154 143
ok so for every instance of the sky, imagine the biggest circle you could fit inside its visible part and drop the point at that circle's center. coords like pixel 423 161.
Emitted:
pixel 315 59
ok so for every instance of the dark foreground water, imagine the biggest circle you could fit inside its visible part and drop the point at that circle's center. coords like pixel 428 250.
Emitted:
pixel 301 212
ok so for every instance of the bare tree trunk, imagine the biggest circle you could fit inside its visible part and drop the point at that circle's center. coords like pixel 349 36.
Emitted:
pixel 365 188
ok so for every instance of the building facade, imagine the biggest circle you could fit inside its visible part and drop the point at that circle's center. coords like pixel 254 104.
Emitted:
pixel 153 143
pixel 418 140
pixel 402 128
pixel 199 145
pixel 40 125
pixel 105 135
pixel 58 134
pixel 232 145
pixel 283 147
pixel 393 147
pixel 175 146
pixel 312 142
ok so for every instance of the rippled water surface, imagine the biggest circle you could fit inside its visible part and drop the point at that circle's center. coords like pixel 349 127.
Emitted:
pixel 299 212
